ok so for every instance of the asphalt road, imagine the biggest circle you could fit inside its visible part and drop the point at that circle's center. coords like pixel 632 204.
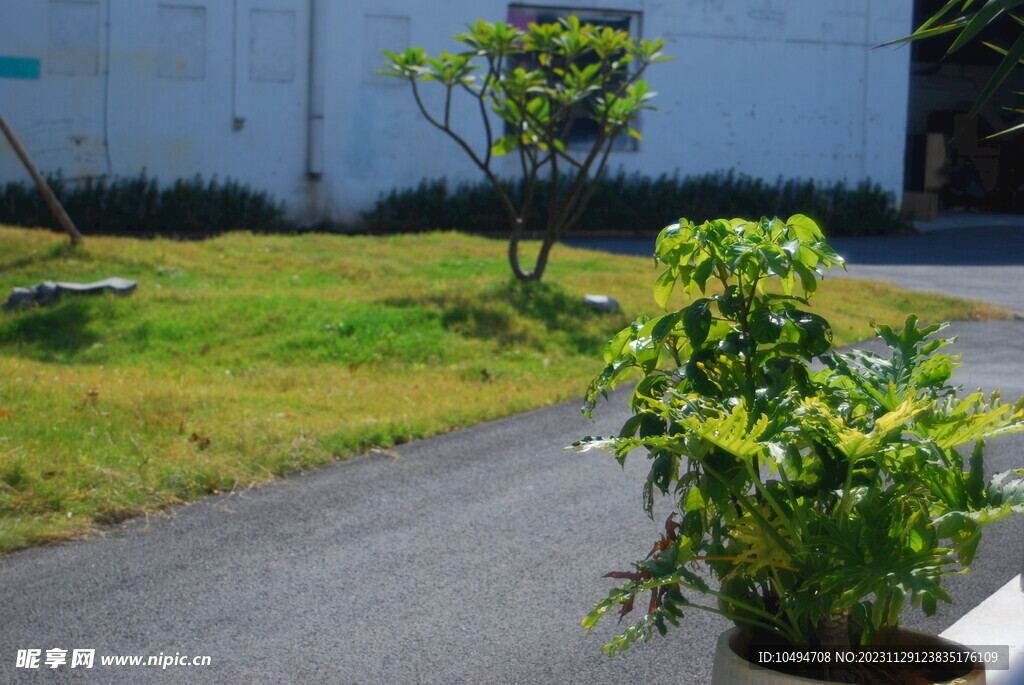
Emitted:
pixel 471 557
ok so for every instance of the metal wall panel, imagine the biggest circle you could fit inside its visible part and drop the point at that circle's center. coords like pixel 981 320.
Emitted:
pixel 272 46
pixel 74 48
pixel 222 87
pixel 382 33
pixel 182 52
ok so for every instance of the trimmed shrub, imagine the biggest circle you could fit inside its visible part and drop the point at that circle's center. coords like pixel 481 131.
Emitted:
pixel 139 206
pixel 640 204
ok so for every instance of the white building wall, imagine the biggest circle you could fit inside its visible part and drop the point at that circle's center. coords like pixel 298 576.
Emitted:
pixel 769 88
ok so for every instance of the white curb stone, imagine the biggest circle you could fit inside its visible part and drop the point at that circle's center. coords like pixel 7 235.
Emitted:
pixel 999 620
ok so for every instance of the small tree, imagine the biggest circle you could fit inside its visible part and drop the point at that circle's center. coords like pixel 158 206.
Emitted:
pixel 541 83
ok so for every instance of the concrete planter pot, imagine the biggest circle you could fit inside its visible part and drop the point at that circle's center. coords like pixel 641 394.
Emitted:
pixel 732 668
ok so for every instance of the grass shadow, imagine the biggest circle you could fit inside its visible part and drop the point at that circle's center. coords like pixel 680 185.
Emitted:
pixel 510 312
pixel 59 330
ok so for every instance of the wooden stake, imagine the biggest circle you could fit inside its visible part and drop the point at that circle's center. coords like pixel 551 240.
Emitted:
pixel 44 189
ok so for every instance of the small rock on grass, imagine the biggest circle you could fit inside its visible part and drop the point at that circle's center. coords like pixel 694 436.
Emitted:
pixel 601 303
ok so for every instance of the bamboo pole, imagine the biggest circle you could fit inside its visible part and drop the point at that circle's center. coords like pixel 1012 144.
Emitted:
pixel 44 189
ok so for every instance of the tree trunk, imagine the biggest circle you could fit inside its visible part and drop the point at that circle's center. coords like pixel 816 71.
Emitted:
pixel 537 272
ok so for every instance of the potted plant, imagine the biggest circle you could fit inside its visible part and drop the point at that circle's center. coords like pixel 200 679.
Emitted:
pixel 819 503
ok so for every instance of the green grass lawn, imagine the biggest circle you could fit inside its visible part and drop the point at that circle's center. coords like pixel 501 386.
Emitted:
pixel 245 357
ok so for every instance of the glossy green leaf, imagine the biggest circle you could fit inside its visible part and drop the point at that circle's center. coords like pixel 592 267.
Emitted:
pixel 703 273
pixel 663 287
pixel 805 228
pixel 697 321
pixel 766 325
pixel 664 325
pixel 731 302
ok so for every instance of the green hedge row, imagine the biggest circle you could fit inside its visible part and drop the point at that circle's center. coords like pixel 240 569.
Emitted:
pixel 139 206
pixel 641 204
pixel 622 202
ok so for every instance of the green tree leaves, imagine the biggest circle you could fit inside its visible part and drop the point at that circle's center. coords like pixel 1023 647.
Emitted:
pixel 967 19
